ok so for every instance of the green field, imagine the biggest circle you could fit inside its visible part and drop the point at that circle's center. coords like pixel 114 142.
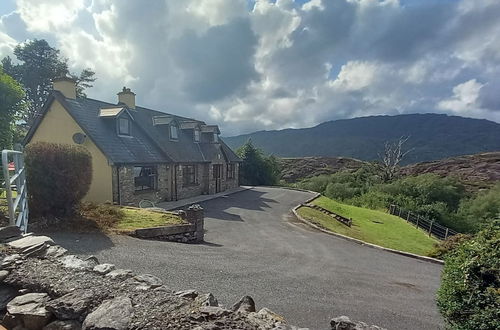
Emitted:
pixel 371 226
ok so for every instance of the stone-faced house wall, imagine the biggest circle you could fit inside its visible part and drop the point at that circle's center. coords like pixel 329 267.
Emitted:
pixel 125 193
pixel 191 190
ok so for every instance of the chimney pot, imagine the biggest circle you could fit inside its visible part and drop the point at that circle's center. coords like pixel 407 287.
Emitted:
pixel 127 97
pixel 65 85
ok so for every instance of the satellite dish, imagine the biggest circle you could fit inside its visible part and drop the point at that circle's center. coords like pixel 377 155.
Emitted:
pixel 79 138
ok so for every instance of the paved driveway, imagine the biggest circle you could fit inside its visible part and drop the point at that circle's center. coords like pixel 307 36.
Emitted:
pixel 256 247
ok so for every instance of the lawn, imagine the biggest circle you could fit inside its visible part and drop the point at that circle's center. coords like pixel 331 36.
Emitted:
pixel 126 219
pixel 371 226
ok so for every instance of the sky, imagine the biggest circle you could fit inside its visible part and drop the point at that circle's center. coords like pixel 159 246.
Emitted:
pixel 259 65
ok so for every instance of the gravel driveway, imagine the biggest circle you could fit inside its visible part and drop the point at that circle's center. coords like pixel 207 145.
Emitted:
pixel 255 246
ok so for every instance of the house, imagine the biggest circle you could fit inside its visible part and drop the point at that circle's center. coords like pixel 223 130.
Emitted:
pixel 137 153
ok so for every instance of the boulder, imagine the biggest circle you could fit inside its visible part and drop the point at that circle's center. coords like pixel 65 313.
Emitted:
pixel 63 325
pixel 207 299
pixel 30 241
pixel 214 311
pixel 103 269
pixel 8 261
pixel 114 314
pixel 55 251
pixel 72 306
pixel 191 294
pixel 28 310
pixel 73 262
pixel 246 305
pixel 266 319
pixel 344 323
pixel 147 281
pixel 3 275
pixel 9 232
pixel 119 273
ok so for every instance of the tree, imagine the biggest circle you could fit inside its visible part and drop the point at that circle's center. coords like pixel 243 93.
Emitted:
pixel 391 158
pixel 39 64
pixel 256 168
pixel 11 96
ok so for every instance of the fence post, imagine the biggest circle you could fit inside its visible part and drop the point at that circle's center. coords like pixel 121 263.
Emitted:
pixel 408 217
pixel 416 225
pixel 446 234
pixel 430 228
pixel 399 212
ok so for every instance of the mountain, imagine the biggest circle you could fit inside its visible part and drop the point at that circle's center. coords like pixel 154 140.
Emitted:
pixel 432 137
pixel 296 169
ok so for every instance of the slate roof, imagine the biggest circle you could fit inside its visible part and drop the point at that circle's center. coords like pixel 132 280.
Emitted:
pixel 147 144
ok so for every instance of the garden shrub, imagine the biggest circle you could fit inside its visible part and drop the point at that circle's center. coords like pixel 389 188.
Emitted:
pixel 469 296
pixel 58 177
pixel 443 248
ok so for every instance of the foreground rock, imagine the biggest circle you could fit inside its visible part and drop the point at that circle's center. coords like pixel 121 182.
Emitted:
pixel 344 323
pixel 50 290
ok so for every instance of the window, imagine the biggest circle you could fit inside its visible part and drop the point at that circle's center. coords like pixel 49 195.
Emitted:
pixel 216 138
pixel 189 175
pixel 231 171
pixel 196 135
pixel 173 132
pixel 123 126
pixel 144 178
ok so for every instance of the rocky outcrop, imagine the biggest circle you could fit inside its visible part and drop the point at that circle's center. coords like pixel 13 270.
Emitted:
pixel 344 323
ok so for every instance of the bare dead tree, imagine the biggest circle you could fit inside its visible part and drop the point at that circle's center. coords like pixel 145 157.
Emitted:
pixel 392 156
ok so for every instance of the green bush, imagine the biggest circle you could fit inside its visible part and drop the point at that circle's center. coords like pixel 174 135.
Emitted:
pixel 257 169
pixel 479 210
pixel 58 177
pixel 449 245
pixel 469 296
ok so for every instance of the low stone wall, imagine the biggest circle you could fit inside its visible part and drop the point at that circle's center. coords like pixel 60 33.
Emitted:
pixel 192 232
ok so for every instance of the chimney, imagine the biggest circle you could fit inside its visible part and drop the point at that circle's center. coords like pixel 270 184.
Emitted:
pixel 127 97
pixel 65 85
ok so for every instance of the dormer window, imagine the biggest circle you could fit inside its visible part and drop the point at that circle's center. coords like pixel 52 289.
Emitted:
pixel 216 138
pixel 196 135
pixel 123 126
pixel 174 133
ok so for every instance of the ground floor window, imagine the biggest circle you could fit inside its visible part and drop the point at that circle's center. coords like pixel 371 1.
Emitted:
pixel 231 171
pixel 189 175
pixel 145 178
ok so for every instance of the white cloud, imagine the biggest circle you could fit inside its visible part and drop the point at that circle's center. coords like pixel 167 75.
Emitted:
pixel 464 99
pixel 49 15
pixel 355 75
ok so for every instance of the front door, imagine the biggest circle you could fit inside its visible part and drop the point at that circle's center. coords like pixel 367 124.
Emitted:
pixel 217 169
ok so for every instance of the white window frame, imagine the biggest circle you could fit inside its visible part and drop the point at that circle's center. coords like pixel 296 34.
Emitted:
pixel 173 128
pixel 196 135
pixel 120 120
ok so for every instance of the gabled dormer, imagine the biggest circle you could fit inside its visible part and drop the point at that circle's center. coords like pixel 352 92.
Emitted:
pixel 121 116
pixel 171 123
pixel 210 133
pixel 193 128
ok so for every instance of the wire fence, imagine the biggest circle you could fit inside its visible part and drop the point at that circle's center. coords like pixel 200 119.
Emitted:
pixel 430 226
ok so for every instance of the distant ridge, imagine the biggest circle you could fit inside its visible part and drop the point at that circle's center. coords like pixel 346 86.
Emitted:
pixel 432 137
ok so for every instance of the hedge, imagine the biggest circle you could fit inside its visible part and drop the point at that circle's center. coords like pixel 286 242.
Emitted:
pixel 58 177
pixel 469 296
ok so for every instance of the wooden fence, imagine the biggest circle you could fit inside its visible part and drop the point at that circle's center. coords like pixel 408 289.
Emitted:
pixel 430 226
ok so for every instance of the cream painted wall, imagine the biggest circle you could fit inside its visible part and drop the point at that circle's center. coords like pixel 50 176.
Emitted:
pixel 58 127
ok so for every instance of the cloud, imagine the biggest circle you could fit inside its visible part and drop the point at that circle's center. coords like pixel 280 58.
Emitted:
pixel 252 65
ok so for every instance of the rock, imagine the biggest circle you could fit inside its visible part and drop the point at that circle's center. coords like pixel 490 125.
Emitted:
pixel 36 250
pixel 10 260
pixel 104 268
pixel 214 312
pixel 187 294
pixel 30 241
pixel 114 314
pixel 74 262
pixel 3 275
pixel 29 310
pixel 344 323
pixel 93 259
pixel 9 232
pixel 207 300
pixel 246 304
pixel 147 281
pixel 72 306
pixel 266 318
pixel 7 293
pixel 55 251
pixel 63 325
pixel 119 273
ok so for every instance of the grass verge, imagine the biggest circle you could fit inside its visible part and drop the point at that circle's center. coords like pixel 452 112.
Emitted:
pixel 126 219
pixel 371 226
